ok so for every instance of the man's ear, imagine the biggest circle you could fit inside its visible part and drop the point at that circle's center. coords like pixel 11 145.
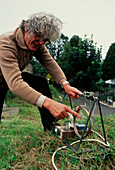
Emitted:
pixel 26 27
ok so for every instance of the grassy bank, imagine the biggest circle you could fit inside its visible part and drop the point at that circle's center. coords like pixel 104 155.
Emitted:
pixel 24 145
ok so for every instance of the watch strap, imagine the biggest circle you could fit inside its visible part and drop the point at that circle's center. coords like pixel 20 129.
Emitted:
pixel 65 82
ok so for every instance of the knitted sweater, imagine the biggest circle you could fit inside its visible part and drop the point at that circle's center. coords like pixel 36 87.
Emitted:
pixel 15 56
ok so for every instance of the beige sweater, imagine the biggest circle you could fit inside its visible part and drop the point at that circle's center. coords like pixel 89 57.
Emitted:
pixel 15 56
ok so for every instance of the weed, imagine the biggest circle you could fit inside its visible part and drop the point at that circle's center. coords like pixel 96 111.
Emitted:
pixel 24 145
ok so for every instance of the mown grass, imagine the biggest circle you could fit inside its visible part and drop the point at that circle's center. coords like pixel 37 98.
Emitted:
pixel 24 145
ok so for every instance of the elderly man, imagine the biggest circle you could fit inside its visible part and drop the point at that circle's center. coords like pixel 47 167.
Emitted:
pixel 17 49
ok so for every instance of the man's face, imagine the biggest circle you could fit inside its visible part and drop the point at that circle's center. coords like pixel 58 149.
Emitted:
pixel 32 41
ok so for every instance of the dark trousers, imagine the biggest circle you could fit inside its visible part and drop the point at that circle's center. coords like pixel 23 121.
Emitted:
pixel 39 83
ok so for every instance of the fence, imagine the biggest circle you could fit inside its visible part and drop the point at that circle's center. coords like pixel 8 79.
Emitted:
pixel 106 96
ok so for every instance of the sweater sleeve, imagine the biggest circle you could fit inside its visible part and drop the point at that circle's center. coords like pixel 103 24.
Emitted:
pixel 12 74
pixel 50 64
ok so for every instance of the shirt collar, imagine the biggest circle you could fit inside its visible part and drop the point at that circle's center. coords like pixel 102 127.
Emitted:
pixel 20 38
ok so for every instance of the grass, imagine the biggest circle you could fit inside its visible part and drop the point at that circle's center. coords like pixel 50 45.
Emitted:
pixel 24 145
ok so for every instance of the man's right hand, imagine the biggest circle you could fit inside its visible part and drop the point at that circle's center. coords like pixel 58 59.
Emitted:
pixel 58 110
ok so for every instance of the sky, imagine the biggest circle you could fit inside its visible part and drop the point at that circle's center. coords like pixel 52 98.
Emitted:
pixel 80 17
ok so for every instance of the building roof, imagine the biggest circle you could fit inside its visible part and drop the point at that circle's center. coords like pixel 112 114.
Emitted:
pixel 111 81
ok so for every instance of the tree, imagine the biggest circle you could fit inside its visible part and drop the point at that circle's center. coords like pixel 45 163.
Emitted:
pixel 37 67
pixel 74 41
pixel 81 62
pixel 108 66
pixel 57 48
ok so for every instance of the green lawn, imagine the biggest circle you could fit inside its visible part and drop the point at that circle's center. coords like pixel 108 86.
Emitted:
pixel 24 145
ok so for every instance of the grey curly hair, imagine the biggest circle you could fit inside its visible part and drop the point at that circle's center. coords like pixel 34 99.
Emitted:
pixel 44 25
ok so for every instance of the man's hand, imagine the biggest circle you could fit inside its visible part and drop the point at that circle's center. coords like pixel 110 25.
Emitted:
pixel 58 110
pixel 72 91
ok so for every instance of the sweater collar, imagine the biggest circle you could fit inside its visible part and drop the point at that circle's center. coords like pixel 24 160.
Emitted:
pixel 20 38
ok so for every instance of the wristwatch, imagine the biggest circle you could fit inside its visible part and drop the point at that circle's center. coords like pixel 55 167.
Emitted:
pixel 65 82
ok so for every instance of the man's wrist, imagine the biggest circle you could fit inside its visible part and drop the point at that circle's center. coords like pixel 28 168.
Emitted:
pixel 40 101
pixel 65 82
pixel 62 80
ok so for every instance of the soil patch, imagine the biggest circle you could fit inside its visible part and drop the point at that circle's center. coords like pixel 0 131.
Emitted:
pixel 9 111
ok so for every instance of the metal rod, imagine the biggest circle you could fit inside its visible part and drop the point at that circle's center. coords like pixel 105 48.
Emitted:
pixel 86 125
pixel 102 122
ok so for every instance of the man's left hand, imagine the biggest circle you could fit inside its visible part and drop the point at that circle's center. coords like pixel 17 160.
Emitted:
pixel 72 91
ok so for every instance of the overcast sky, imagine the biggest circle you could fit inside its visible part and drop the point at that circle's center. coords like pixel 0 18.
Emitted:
pixel 80 17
